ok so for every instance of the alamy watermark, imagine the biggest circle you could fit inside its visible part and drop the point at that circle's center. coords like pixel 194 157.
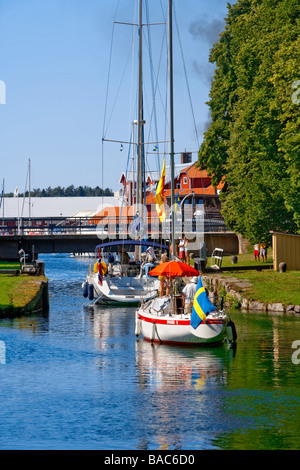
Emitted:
pixel 2 353
pixel 295 358
pixel 145 224
pixel 296 94
pixel 2 92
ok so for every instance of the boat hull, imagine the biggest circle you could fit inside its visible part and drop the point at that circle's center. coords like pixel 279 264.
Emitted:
pixel 176 330
pixel 122 290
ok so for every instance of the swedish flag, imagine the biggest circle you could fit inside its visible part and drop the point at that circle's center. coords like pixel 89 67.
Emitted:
pixel 202 306
pixel 177 201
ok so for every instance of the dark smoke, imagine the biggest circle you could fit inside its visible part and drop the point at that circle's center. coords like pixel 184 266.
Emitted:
pixel 207 30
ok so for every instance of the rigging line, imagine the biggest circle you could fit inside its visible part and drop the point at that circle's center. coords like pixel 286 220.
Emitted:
pixel 108 72
pixel 102 180
pixel 118 91
pixel 165 105
pixel 185 74
pixel 106 100
pixel 157 90
pixel 152 80
pixel 126 142
pixel 123 192
pixel 133 101
pixel 155 87
pixel 27 177
pixel 108 79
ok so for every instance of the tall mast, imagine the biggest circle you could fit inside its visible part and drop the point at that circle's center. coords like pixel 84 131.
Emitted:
pixel 140 111
pixel 29 189
pixel 3 201
pixel 171 125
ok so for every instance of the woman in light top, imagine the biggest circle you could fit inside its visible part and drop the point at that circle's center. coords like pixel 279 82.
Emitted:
pixel 163 281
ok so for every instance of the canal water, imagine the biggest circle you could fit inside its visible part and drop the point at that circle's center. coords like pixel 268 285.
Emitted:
pixel 78 378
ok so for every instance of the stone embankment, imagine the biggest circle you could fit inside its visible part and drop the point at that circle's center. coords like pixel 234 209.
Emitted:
pixel 236 295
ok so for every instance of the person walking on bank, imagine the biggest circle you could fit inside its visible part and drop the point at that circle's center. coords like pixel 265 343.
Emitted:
pixel 263 251
pixel 181 249
pixel 256 251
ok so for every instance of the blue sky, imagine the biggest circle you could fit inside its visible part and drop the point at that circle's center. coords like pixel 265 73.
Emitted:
pixel 54 61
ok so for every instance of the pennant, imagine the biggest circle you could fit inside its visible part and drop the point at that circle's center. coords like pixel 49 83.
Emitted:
pixel 202 306
pixel 159 195
pixel 177 201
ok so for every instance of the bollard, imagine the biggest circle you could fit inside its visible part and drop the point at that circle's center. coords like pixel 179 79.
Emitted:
pixel 40 267
pixel 282 267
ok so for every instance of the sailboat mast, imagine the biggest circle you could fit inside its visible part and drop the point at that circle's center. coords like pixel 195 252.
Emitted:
pixel 3 192
pixel 170 38
pixel 140 111
pixel 29 188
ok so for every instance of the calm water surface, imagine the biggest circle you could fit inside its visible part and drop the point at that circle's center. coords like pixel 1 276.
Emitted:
pixel 79 379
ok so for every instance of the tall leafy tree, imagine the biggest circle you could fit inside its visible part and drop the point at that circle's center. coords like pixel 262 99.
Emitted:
pixel 253 141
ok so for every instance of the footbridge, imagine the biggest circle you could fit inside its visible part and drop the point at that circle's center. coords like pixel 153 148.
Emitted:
pixel 78 235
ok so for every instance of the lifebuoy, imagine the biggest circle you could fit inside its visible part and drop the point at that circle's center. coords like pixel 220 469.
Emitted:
pixel 104 267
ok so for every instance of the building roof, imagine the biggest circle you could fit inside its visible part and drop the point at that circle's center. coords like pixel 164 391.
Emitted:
pixel 154 176
pixel 115 211
pixel 54 206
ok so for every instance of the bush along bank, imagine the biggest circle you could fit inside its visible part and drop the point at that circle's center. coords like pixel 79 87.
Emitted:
pixel 236 295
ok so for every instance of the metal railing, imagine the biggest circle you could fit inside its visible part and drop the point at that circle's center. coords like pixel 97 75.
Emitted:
pixel 105 227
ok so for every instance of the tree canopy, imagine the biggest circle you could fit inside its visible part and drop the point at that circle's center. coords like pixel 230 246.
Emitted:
pixel 69 191
pixel 253 142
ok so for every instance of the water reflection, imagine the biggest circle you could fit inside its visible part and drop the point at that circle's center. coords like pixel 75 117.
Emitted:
pixel 179 388
pixel 35 323
pixel 107 322
pixel 79 378
pixel 162 366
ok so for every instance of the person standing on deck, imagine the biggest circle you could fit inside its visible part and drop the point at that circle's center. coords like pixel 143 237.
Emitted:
pixel 189 292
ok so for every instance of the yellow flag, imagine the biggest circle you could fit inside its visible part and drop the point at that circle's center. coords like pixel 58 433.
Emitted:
pixel 159 196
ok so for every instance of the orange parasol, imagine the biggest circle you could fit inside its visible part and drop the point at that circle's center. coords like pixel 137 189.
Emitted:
pixel 174 269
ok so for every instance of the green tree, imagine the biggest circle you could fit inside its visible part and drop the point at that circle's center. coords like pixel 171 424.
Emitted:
pixel 70 191
pixel 253 140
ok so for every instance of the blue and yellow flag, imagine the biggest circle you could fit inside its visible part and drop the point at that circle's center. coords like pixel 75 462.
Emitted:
pixel 177 201
pixel 202 305
pixel 160 195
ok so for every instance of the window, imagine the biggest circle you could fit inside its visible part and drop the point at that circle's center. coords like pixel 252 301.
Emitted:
pixel 185 180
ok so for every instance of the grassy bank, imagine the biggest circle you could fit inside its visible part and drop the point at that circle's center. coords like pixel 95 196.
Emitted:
pixel 245 260
pixel 19 293
pixel 9 265
pixel 267 286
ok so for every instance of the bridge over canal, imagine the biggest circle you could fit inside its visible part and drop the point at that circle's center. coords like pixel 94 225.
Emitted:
pixel 76 235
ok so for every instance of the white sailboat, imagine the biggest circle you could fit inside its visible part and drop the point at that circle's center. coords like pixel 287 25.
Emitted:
pixel 111 281
pixel 164 319
pixel 124 283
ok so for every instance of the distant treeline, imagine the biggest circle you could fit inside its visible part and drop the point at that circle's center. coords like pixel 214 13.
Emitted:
pixel 70 191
